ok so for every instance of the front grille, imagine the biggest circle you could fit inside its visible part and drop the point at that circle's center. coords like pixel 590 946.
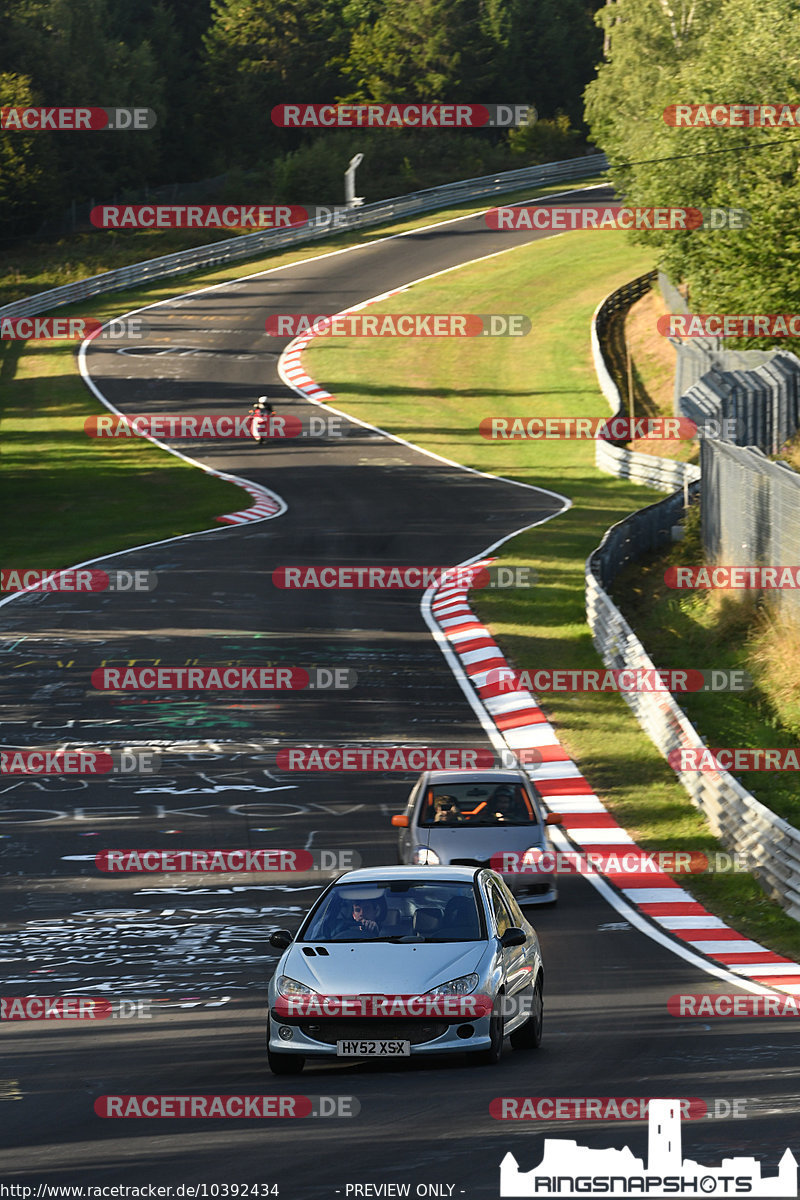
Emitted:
pixel 333 1031
pixel 470 862
pixel 535 889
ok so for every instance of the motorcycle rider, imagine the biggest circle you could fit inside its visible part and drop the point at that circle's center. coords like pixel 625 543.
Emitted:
pixel 261 413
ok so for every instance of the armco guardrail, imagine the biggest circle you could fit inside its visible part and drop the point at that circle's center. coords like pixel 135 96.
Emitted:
pixel 741 822
pixel 664 474
pixel 234 249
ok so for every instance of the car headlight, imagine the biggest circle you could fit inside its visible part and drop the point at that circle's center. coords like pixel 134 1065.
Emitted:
pixel 290 988
pixel 531 859
pixel 455 987
pixel 425 857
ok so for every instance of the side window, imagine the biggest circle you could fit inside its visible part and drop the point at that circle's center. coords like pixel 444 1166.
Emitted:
pixel 516 912
pixel 502 919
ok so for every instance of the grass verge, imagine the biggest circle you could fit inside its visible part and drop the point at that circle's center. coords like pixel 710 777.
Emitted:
pixel 447 389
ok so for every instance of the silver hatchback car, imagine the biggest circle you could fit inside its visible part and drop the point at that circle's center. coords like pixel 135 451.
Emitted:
pixel 491 818
pixel 406 961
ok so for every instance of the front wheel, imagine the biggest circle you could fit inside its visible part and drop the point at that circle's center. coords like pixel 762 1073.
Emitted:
pixel 529 1035
pixel 491 1056
pixel 283 1064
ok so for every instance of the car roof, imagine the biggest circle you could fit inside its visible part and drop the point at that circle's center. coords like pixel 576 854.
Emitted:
pixel 490 775
pixel 422 874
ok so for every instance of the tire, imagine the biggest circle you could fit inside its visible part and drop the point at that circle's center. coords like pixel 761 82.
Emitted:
pixel 491 1056
pixel 529 1035
pixel 283 1064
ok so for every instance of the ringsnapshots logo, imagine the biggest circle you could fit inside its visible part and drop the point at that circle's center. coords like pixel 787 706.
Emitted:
pixel 732 116
pixel 267 861
pixel 505 680
pixel 226 679
pixel 409 578
pixel 403 325
pixel 564 218
pixel 225 425
pixel 234 1106
pixel 71 329
pixel 728 325
pixel 35 579
pixel 79 762
pixel 402 116
pixel 569 1170
pixel 71 120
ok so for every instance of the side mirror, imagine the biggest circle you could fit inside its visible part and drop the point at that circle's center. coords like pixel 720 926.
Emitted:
pixel 554 819
pixel 513 937
pixel 281 939
pixel 401 821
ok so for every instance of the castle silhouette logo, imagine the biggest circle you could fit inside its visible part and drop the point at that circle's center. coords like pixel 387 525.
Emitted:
pixel 568 1169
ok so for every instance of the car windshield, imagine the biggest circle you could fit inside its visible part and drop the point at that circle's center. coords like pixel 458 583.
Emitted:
pixel 473 804
pixel 439 911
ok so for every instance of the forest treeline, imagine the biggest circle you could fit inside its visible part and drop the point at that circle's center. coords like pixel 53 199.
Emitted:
pixel 212 70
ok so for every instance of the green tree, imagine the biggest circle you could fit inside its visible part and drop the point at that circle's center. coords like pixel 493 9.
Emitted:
pixel 259 53
pixel 742 51
pixel 437 50
pixel 27 168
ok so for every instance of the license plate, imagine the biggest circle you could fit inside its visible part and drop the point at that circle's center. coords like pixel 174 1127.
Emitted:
pixel 374 1048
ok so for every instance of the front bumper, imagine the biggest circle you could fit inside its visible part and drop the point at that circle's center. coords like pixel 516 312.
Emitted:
pixel 532 889
pixel 317 1037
